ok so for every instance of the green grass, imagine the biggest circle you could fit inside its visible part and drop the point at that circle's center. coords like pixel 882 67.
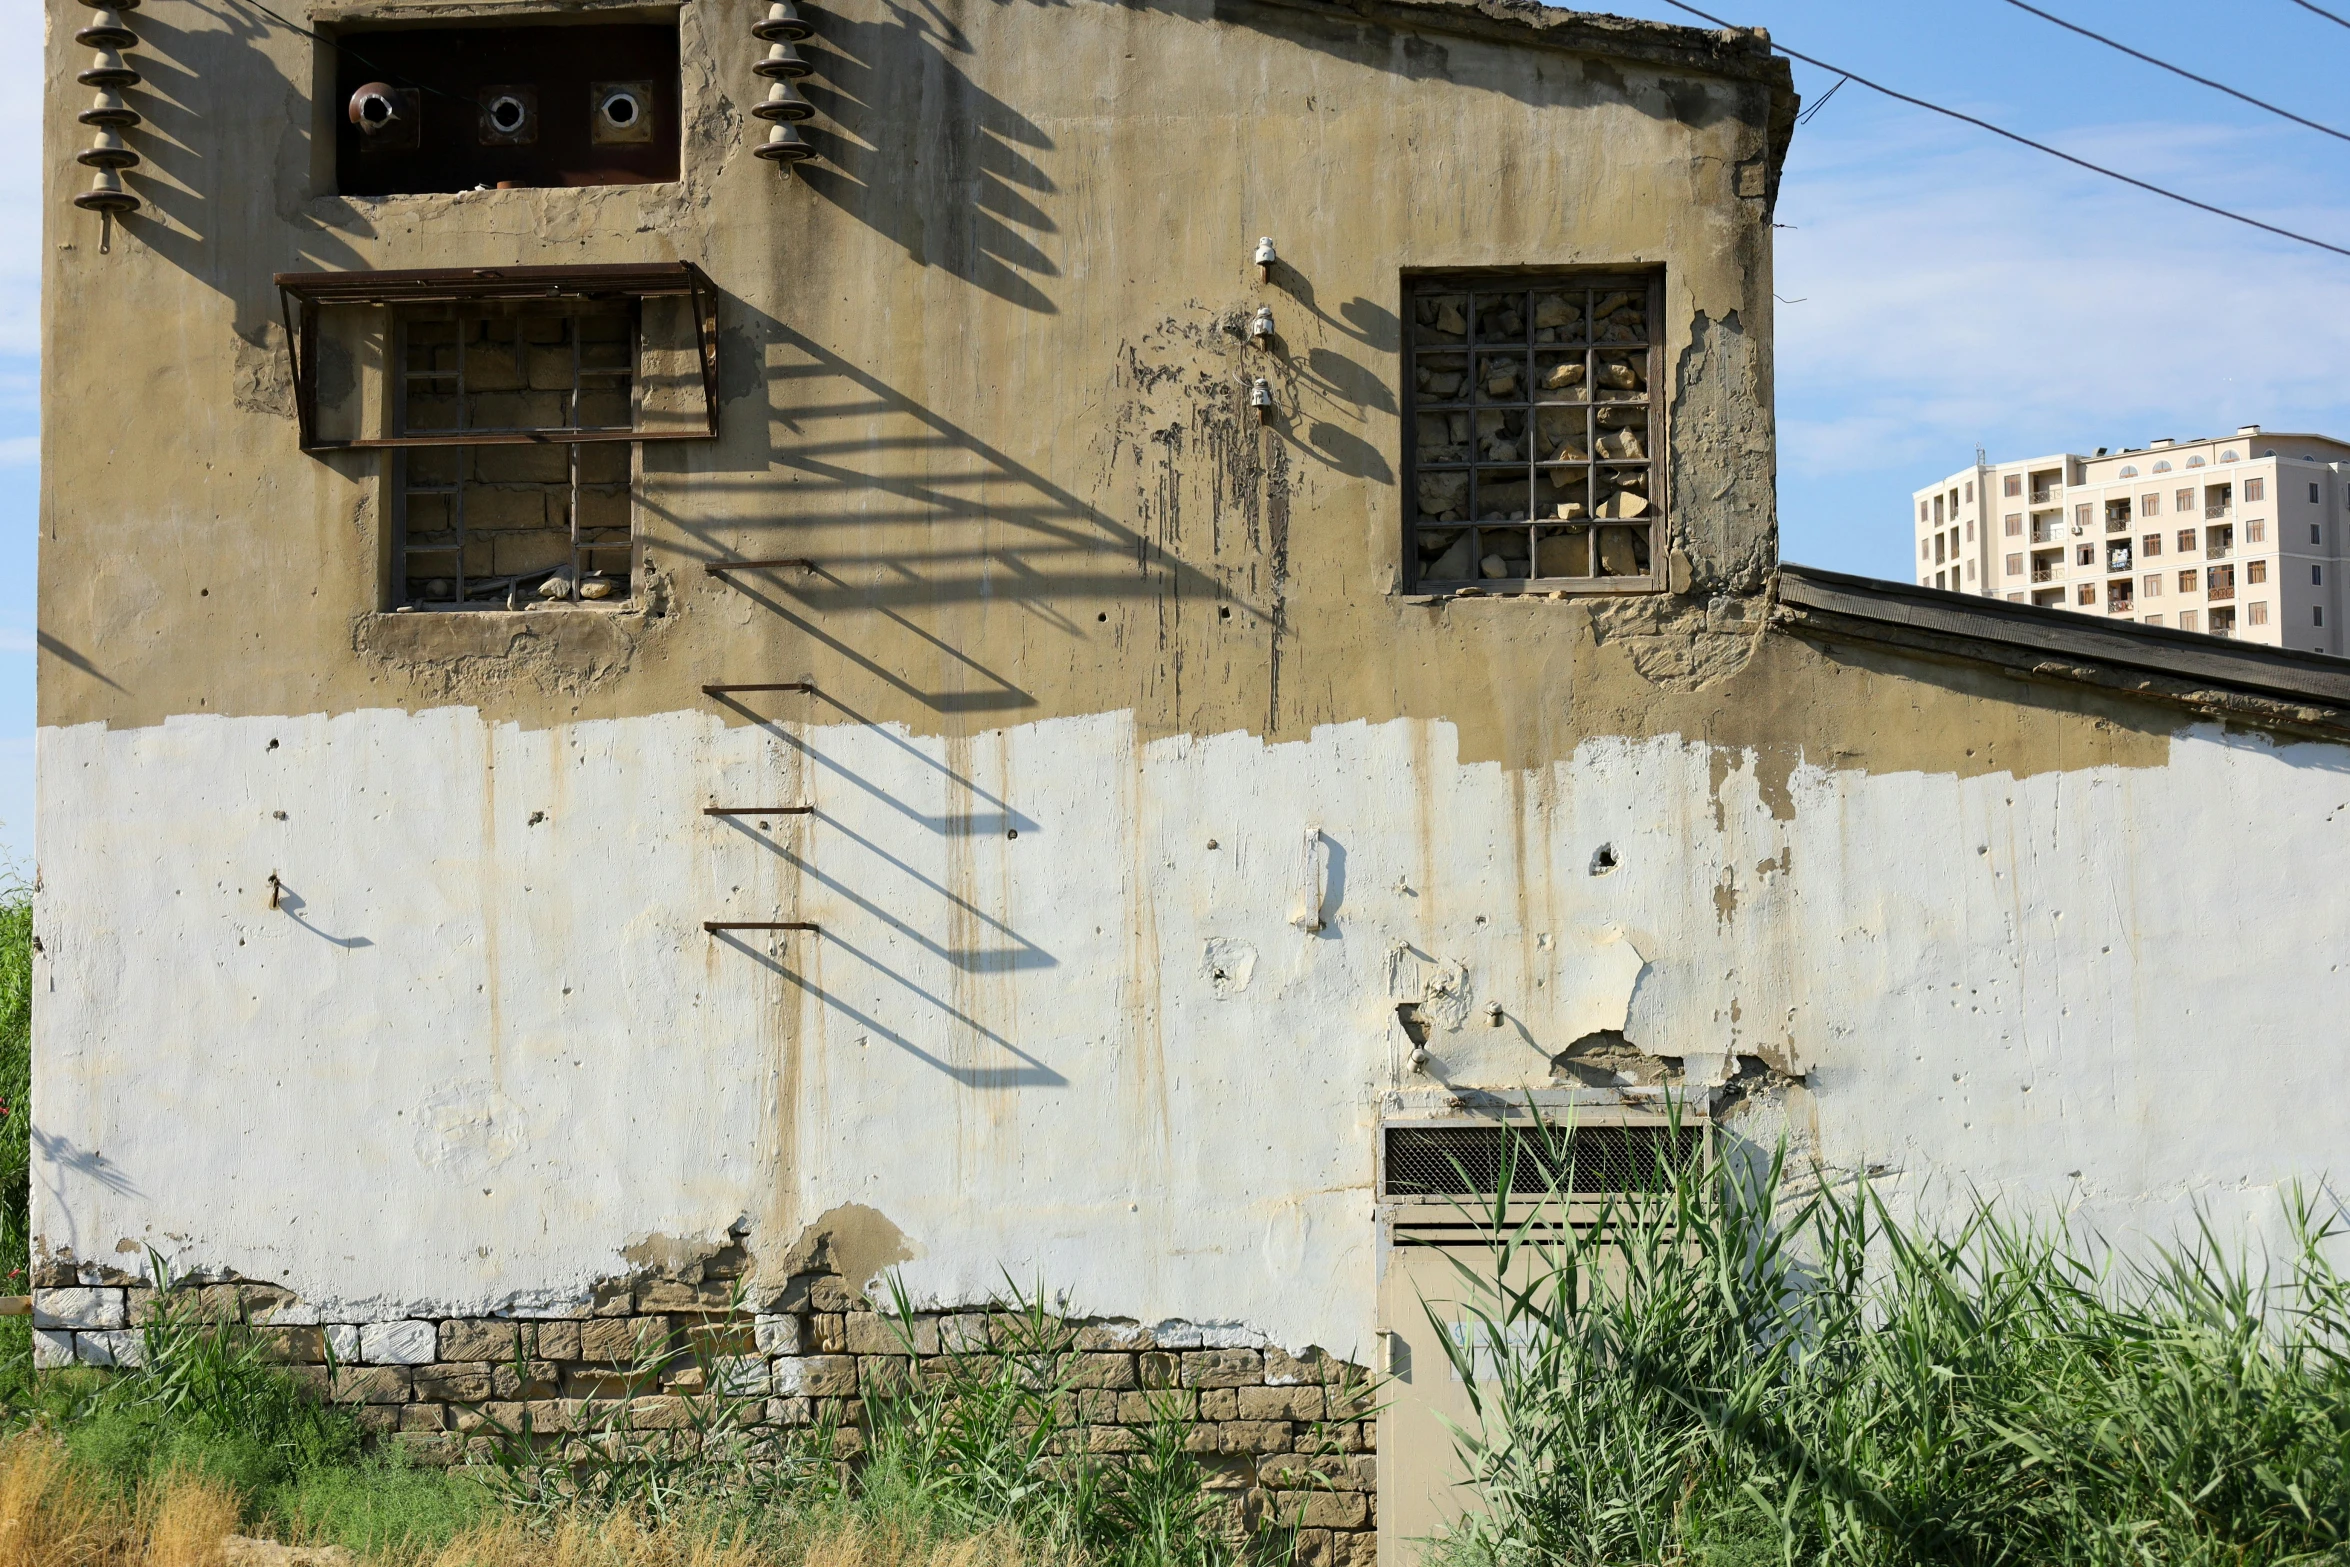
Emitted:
pixel 1730 1371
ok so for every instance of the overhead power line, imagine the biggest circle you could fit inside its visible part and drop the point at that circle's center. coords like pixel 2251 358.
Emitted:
pixel 2322 11
pixel 1805 117
pixel 2165 65
pixel 2026 141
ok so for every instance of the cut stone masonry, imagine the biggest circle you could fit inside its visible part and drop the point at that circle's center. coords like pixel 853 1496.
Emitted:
pixel 1284 1438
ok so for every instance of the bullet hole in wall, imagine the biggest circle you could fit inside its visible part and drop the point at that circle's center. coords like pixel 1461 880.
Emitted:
pixel 1224 613
pixel 536 817
pixel 271 746
pixel 1104 615
pixel 1603 861
pixel 1012 832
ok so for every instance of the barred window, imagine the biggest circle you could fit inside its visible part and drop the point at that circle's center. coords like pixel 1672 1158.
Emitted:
pixel 548 515
pixel 1537 437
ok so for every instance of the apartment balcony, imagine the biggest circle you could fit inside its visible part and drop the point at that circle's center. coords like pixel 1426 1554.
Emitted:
pixel 2044 574
pixel 2217 509
pixel 2118 606
pixel 2220 590
pixel 2048 496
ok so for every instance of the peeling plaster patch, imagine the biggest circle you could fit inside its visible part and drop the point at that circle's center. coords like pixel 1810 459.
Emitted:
pixel 468 1130
pixel 1597 974
pixel 1228 964
pixel 851 1240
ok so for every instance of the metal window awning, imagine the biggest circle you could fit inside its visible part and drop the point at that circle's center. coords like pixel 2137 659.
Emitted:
pixel 301 295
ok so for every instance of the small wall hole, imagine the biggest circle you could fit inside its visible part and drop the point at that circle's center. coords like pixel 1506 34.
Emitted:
pixel 1603 861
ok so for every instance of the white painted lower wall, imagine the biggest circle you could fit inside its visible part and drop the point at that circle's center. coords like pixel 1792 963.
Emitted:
pixel 484 1046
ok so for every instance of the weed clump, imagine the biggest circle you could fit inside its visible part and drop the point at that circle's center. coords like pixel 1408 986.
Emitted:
pixel 1724 1369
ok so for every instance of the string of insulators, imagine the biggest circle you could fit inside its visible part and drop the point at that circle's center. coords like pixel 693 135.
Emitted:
pixel 107 114
pixel 785 107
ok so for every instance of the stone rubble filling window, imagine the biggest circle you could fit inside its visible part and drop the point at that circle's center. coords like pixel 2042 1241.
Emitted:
pixel 1536 433
pixel 486 526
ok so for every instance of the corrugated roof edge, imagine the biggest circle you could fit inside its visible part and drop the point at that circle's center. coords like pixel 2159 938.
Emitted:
pixel 1740 53
pixel 2217 678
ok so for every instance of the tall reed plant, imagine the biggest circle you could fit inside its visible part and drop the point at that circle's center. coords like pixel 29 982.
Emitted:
pixel 1724 1366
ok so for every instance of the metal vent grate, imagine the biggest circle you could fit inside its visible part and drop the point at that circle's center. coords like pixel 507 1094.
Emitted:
pixel 1466 1161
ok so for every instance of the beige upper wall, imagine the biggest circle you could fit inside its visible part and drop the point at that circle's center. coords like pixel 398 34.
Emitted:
pixel 978 362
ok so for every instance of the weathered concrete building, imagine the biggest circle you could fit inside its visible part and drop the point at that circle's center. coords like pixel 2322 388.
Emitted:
pixel 919 709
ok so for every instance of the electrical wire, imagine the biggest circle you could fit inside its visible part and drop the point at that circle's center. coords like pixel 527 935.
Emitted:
pixel 1805 117
pixel 2205 81
pixel 2322 11
pixel 2026 141
pixel 318 37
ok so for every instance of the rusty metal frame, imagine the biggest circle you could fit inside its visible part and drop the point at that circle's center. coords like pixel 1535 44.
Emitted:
pixel 1589 283
pixel 301 294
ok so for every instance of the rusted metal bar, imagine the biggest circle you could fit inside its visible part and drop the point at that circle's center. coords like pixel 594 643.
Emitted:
pixel 758 810
pixel 719 568
pixel 718 925
pixel 777 685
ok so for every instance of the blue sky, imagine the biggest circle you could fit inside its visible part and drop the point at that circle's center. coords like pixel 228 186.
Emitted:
pixel 1944 288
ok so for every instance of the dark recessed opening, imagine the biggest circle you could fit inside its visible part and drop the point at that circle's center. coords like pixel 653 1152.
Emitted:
pixel 521 107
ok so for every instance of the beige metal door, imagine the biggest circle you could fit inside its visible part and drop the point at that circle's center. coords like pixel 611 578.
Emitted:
pixel 1427 1241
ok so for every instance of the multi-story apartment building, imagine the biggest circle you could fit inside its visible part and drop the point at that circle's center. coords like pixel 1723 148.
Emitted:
pixel 2238 536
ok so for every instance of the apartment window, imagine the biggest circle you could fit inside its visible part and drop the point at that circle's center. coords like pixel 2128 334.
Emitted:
pixel 2184 500
pixel 2086 555
pixel 2219 582
pixel 2163 466
pixel 2194 462
pixel 1537 432
pixel 1937 511
pixel 2012 524
pixel 2149 505
pixel 2186 582
pixel 2015 485
pixel 2186 620
pixel 2153 585
pixel 2315 537
pixel 1921 511
pixel 1938 579
pixel 2248 495
pixel 2228 456
pixel 2151 544
pixel 2015 598
pixel 2317 614
pixel 2223 622
pixel 2015 565
pixel 2255 571
pixel 1970 492
pixel 1970 571
pixel 1970 530
pixel 2256 612
pixel 2186 541
pixel 2255 530
pixel 1925 549
pixel 2257 489
pixel 2129 471
pixel 2081 516
pixel 2086 593
pixel 2153 620
pixel 2317 576
pixel 2117 597
pixel 1941 548
pixel 2217 541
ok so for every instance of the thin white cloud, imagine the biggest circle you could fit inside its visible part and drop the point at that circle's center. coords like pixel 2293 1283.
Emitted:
pixel 1961 293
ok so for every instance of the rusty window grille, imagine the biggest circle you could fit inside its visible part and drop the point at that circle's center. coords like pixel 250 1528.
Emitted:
pixel 1535 450
pixel 486 526
pixel 1468 1160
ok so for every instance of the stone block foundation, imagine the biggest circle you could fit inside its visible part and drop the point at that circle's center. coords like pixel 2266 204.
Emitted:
pixel 1285 1439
